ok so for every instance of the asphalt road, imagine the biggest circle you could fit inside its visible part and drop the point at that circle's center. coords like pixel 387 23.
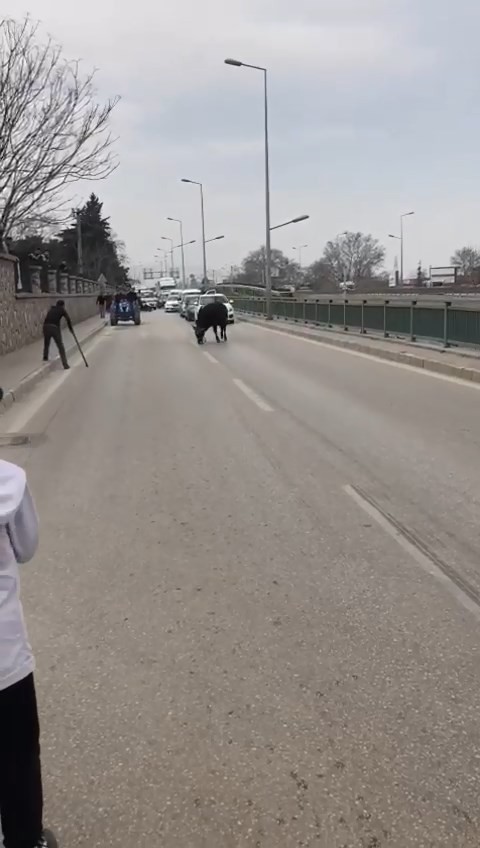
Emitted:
pixel 256 604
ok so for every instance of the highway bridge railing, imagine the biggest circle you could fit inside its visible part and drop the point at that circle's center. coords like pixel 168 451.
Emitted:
pixel 446 323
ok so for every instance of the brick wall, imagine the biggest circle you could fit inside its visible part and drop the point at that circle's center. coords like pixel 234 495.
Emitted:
pixel 22 314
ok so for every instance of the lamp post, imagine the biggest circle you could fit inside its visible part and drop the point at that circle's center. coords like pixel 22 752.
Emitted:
pixel 164 260
pixel 166 238
pixel 292 221
pixel 268 228
pixel 202 210
pixel 401 239
pixel 178 221
pixel 216 238
pixel 299 252
pixel 182 245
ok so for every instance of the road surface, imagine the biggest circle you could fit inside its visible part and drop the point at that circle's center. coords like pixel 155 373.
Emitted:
pixel 256 604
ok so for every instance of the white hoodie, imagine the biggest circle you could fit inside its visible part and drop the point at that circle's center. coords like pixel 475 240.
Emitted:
pixel 18 542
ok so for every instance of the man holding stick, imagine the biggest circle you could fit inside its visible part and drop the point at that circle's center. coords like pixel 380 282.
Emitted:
pixel 52 330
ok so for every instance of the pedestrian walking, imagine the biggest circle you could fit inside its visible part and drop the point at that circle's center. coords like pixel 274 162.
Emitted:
pixel 101 305
pixel 21 796
pixel 52 330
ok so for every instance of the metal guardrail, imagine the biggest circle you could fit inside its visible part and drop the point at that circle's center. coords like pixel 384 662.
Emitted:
pixel 444 323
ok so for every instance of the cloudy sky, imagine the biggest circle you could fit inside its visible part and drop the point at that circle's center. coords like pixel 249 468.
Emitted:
pixel 374 111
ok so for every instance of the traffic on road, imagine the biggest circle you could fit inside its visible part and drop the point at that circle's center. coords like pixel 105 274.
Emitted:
pixel 254 607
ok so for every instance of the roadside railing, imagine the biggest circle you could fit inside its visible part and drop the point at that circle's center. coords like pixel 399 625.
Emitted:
pixel 443 322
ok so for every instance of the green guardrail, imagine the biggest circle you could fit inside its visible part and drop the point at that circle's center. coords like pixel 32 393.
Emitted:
pixel 447 324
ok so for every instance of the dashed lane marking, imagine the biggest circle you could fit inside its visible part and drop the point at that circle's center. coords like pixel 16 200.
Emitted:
pixel 251 395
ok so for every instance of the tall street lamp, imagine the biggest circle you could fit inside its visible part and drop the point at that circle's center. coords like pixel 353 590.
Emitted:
pixel 268 250
pixel 400 238
pixel 299 252
pixel 166 238
pixel 292 221
pixel 164 260
pixel 217 238
pixel 178 221
pixel 202 210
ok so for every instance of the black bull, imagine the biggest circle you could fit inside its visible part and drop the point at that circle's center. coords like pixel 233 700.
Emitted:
pixel 213 315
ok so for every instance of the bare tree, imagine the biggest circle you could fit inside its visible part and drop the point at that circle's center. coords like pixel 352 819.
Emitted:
pixel 353 256
pixel 468 260
pixel 53 132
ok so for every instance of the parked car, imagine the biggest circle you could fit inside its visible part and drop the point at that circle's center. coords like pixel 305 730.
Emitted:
pixel 173 303
pixel 185 295
pixel 187 299
pixel 211 298
pixel 191 306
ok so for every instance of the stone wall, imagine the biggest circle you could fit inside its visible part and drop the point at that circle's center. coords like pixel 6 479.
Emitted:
pixel 22 314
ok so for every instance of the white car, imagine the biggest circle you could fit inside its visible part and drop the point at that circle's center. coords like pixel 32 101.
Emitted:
pixel 211 297
pixel 173 303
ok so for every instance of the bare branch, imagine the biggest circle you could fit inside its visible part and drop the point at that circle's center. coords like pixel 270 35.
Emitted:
pixel 53 131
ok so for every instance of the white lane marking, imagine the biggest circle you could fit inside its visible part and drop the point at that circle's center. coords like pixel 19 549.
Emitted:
pixel 256 399
pixel 422 559
pixel 459 381
pixel 210 358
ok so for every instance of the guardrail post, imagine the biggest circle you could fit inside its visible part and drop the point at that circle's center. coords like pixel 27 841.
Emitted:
pixel 345 302
pixel 304 311
pixel 316 312
pixel 445 323
pixel 385 307
pixel 412 321
pixel 362 326
pixel 329 313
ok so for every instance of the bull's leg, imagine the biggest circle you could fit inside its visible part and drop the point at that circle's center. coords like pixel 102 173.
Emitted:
pixel 215 330
pixel 224 333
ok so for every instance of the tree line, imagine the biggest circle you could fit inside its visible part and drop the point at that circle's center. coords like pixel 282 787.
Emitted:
pixel 100 252
pixel 351 257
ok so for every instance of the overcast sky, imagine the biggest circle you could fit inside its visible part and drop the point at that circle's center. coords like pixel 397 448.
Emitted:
pixel 374 111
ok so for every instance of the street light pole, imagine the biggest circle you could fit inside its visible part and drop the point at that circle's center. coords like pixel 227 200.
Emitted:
pixel 172 266
pixel 164 260
pixel 268 228
pixel 299 251
pixel 405 215
pixel 268 246
pixel 178 221
pixel 202 210
pixel 293 221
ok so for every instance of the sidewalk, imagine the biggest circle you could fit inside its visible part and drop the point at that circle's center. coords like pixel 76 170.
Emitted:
pixel 23 368
pixel 463 363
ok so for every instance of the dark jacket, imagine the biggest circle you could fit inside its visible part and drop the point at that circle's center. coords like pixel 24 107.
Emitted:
pixel 55 315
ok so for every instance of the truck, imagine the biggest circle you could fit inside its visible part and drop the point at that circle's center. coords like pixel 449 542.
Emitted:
pixel 164 286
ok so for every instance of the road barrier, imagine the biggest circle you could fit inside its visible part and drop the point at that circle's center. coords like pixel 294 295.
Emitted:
pixel 446 323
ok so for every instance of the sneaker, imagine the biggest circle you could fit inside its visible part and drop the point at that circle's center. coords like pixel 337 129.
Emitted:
pixel 47 840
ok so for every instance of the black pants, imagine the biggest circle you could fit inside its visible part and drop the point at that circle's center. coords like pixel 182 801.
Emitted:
pixel 21 798
pixel 51 331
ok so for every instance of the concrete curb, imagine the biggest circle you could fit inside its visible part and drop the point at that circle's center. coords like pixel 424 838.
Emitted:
pixel 27 383
pixel 413 359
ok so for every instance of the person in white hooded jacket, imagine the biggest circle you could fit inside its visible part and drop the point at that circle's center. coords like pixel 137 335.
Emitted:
pixel 21 798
